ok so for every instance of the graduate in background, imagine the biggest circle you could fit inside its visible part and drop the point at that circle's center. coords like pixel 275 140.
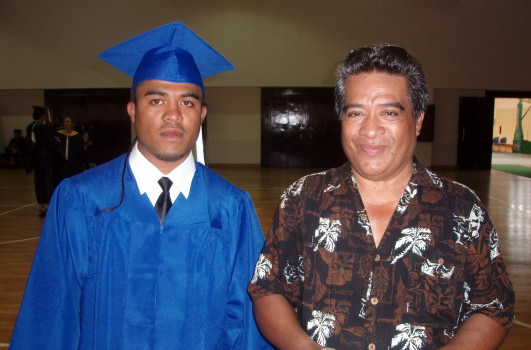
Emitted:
pixel 41 155
pixel 73 145
pixel 124 263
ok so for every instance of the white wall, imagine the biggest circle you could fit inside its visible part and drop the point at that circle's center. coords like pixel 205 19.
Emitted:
pixel 444 152
pixel 16 110
pixel 472 44
pixel 233 126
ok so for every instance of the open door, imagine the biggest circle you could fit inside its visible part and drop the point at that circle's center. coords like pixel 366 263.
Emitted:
pixel 474 147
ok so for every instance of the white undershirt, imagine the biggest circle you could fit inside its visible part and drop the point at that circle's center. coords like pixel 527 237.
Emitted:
pixel 147 176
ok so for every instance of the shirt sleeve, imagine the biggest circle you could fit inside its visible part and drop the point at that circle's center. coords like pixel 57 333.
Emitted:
pixel 488 289
pixel 280 268
pixel 49 313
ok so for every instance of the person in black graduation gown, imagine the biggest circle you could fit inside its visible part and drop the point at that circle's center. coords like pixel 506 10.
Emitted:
pixel 42 153
pixel 72 144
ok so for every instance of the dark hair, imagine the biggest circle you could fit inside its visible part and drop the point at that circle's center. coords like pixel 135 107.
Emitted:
pixel 388 59
pixel 38 112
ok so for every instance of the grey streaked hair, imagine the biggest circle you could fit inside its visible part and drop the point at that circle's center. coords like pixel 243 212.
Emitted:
pixel 388 59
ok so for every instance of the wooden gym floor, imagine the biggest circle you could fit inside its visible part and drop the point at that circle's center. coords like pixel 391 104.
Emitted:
pixel 507 197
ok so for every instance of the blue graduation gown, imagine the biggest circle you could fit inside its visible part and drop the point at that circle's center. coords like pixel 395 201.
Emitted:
pixel 117 279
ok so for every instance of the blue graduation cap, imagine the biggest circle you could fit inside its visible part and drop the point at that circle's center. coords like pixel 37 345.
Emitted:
pixel 171 53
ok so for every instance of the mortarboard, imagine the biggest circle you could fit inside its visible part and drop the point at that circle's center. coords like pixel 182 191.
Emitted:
pixel 171 53
pixel 38 111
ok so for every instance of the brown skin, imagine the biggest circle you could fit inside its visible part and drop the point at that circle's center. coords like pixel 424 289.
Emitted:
pixel 278 323
pixel 379 133
pixel 68 125
pixel 167 117
pixel 379 136
pixel 478 332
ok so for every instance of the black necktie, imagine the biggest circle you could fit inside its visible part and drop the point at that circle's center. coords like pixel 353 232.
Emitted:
pixel 163 204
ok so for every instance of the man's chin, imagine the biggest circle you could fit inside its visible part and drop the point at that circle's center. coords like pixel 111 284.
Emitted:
pixel 170 158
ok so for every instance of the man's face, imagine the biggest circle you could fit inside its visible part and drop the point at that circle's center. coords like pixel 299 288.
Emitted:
pixel 379 133
pixel 167 117
pixel 67 124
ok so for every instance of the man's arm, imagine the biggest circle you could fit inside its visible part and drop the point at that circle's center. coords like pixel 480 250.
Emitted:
pixel 49 316
pixel 478 332
pixel 278 323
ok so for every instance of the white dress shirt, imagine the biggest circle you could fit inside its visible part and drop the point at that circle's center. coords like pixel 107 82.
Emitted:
pixel 147 176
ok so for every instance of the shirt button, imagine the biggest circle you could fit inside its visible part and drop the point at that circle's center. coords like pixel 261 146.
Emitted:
pixel 372 347
pixel 374 300
pixel 377 257
pixel 440 261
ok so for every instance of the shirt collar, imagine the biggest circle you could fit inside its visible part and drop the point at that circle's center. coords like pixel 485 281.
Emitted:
pixel 147 176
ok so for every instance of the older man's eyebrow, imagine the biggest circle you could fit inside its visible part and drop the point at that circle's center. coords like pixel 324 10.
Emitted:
pixel 352 105
pixel 393 105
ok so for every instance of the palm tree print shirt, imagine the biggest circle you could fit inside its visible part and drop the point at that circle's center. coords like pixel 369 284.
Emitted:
pixel 438 262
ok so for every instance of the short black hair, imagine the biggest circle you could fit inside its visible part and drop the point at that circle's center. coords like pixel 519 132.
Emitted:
pixel 388 59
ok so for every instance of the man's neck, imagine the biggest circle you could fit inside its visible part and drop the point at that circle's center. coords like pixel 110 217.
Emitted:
pixel 378 192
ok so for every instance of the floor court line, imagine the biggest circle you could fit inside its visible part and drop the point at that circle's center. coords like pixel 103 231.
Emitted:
pixel 22 207
pixel 527 325
pixel 20 240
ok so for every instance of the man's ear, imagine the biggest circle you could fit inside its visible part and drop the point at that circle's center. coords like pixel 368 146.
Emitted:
pixel 131 110
pixel 203 113
pixel 418 123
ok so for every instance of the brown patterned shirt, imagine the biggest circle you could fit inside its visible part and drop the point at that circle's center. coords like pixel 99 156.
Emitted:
pixel 438 262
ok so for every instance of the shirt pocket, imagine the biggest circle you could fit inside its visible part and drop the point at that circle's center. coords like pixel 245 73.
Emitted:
pixel 435 291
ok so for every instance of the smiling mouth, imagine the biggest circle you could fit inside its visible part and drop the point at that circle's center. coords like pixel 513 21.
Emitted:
pixel 372 149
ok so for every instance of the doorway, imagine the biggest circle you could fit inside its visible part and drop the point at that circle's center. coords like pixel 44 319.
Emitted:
pixel 475 131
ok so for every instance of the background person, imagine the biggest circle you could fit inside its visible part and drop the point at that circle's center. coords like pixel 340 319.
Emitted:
pixel 73 145
pixel 15 149
pixel 42 154
pixel 381 253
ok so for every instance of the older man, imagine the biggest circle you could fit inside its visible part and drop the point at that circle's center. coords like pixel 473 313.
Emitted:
pixel 151 250
pixel 381 253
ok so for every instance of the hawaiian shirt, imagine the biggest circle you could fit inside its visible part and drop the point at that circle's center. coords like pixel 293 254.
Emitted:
pixel 438 262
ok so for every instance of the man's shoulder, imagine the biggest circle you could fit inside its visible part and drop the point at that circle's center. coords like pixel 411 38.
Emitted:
pixel 216 183
pixel 105 174
pixel 330 177
pixel 318 184
pixel 431 180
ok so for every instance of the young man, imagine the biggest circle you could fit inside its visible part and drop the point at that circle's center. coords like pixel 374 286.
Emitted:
pixel 381 253
pixel 124 263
